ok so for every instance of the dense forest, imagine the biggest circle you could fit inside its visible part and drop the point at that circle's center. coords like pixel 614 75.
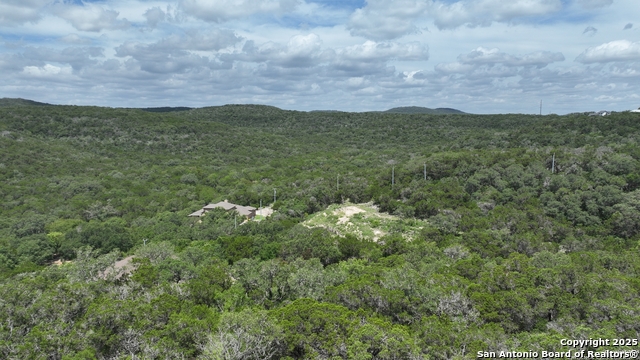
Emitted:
pixel 528 232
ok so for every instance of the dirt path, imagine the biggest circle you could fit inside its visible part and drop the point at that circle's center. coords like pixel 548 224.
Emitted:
pixel 348 212
pixel 265 211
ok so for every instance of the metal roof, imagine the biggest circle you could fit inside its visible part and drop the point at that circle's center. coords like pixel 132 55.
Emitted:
pixel 197 213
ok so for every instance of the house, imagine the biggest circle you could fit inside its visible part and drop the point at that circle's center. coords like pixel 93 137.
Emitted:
pixel 600 113
pixel 247 211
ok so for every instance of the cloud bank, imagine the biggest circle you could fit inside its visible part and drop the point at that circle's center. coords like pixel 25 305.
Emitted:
pixel 475 55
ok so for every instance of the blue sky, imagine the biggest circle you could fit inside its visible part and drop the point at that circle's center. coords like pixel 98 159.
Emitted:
pixel 479 56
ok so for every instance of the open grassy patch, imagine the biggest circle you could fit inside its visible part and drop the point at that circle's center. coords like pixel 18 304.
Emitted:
pixel 363 221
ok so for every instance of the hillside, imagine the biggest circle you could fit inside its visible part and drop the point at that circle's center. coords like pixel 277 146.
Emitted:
pixel 422 110
pixel 166 109
pixel 20 102
pixel 413 236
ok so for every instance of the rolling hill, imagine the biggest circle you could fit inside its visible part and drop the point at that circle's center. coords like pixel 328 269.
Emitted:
pixel 422 110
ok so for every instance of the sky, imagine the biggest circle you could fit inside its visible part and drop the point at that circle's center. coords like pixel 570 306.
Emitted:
pixel 478 56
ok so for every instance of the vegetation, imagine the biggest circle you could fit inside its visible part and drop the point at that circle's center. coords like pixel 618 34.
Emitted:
pixel 422 110
pixel 495 232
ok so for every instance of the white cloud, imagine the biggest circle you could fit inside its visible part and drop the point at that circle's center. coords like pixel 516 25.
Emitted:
pixel 90 17
pixel 454 68
pixel 17 12
pixel 154 16
pixel 495 56
pixel 47 70
pixel 619 50
pixel 373 58
pixel 213 39
pixel 178 53
pixel 223 10
pixel 75 57
pixel 485 12
pixel 386 20
pixel 301 51
pixel 384 51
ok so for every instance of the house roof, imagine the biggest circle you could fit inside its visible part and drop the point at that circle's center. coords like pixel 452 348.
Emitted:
pixel 197 213
pixel 245 210
pixel 222 204
pixel 242 210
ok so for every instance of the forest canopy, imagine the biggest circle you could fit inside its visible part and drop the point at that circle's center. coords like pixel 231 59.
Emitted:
pixel 503 233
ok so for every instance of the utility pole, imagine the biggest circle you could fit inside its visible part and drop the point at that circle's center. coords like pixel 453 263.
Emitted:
pixel 260 203
pixel 540 107
pixel 393 176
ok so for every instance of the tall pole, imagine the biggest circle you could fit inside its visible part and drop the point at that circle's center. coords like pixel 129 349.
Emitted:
pixel 393 176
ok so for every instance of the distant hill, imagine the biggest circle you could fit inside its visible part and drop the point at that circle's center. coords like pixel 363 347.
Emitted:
pixel 422 110
pixel 20 102
pixel 166 109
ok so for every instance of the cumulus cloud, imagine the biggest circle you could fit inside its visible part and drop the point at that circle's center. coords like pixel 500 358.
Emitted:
pixel 174 53
pixel 154 16
pixel 386 20
pixel 619 50
pixel 305 57
pixel 384 51
pixel 454 68
pixel 485 12
pixel 223 10
pixel 149 60
pixel 47 70
pixel 90 17
pixel 372 58
pixel 299 52
pixel 74 57
pixel 589 31
pixel 17 12
pixel 489 71
pixel 214 39
pixel 11 63
pixel 482 56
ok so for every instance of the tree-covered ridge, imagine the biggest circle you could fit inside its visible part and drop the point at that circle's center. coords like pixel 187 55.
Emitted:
pixel 524 232
pixel 422 110
pixel 20 102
